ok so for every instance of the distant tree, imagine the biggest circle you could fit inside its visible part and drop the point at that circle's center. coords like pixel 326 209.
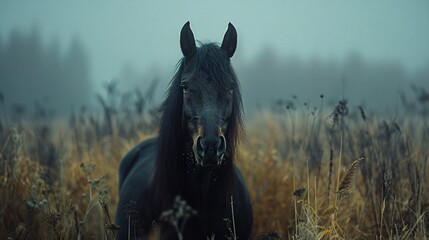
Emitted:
pixel 271 78
pixel 31 71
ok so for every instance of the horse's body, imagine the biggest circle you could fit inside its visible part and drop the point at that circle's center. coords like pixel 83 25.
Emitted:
pixel 193 155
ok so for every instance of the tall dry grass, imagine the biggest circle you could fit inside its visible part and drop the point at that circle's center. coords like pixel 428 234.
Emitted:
pixel 311 173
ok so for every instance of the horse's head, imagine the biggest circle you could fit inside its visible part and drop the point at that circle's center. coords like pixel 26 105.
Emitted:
pixel 211 100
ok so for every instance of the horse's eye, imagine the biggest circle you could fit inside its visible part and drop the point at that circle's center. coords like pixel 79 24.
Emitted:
pixel 231 91
pixel 184 87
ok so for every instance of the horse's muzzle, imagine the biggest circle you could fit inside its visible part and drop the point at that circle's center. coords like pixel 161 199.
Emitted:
pixel 210 150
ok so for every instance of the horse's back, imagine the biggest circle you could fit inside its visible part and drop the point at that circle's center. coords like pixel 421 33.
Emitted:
pixel 133 157
pixel 135 171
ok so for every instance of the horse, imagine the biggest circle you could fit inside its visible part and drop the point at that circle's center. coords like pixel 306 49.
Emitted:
pixel 193 156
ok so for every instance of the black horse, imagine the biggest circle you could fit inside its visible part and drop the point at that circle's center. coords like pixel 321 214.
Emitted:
pixel 193 154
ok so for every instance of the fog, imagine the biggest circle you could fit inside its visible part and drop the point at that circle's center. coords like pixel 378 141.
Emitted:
pixel 61 54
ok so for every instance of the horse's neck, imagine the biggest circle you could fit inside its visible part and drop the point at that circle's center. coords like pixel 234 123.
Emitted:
pixel 204 189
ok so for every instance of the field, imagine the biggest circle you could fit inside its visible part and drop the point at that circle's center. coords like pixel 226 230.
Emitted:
pixel 325 172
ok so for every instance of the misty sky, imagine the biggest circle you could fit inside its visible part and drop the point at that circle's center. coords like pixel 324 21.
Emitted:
pixel 144 35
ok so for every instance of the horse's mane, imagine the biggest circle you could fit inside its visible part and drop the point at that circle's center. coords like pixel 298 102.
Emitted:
pixel 169 174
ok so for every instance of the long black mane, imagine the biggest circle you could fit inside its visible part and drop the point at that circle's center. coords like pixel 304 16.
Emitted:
pixel 170 169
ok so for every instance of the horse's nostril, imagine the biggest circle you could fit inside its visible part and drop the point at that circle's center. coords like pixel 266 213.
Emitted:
pixel 221 148
pixel 200 146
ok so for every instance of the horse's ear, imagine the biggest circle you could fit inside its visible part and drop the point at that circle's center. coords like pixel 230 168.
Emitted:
pixel 229 43
pixel 187 41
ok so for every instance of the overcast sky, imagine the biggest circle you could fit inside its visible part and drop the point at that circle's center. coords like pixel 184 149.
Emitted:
pixel 145 34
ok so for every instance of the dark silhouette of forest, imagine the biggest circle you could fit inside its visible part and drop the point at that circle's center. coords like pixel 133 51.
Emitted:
pixel 383 86
pixel 34 75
